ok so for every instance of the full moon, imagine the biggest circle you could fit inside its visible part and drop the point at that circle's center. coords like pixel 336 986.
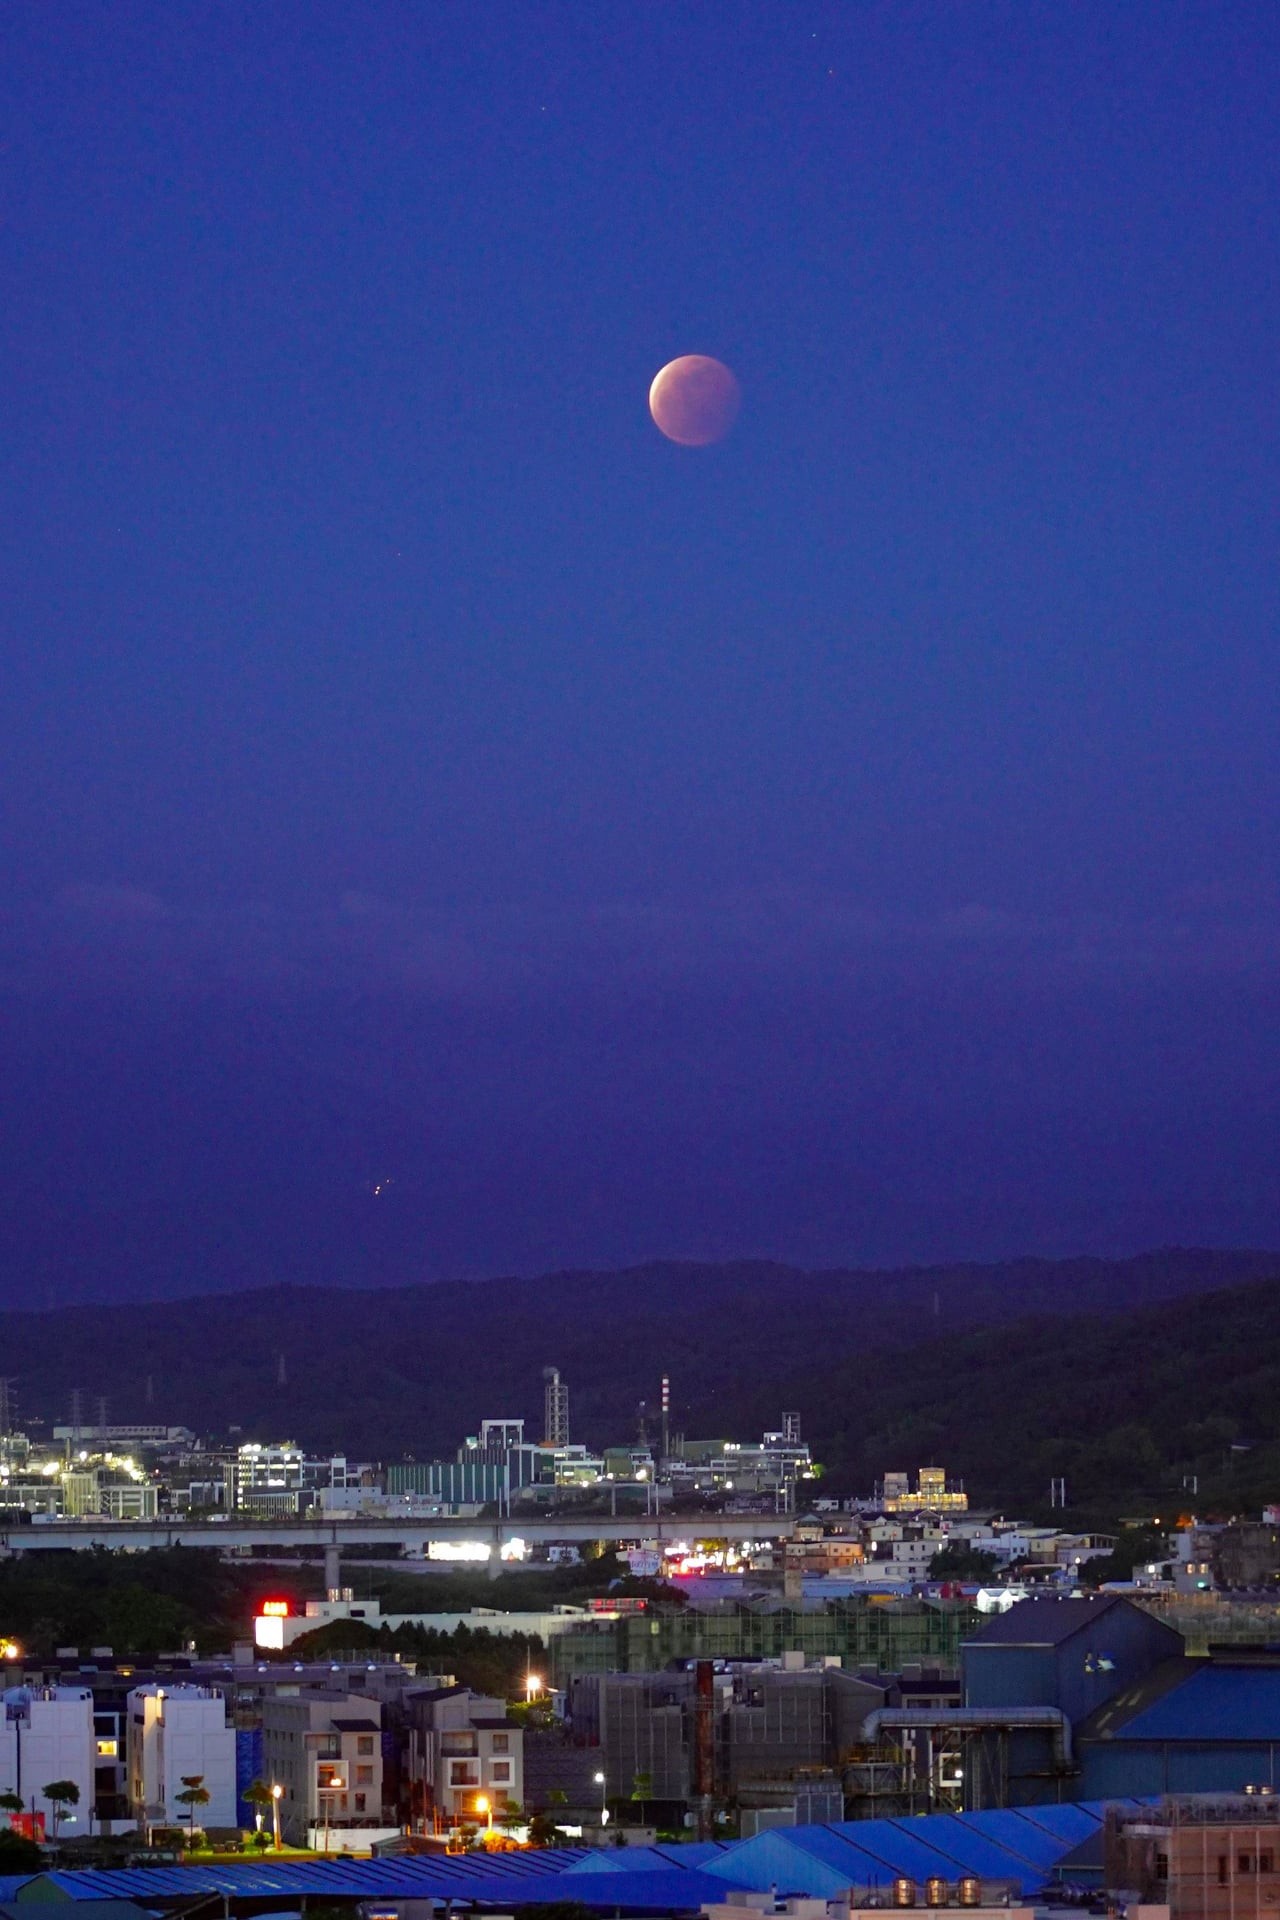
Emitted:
pixel 694 400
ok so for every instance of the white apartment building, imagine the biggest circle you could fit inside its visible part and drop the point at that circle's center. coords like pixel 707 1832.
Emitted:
pixel 175 1732
pixel 324 1748
pixel 48 1735
pixel 466 1759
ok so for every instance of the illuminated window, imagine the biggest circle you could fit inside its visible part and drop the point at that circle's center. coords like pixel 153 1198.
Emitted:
pixel 108 1749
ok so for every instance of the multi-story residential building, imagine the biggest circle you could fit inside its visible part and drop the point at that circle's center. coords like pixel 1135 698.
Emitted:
pixel 48 1736
pixel 324 1748
pixel 466 1759
pixel 175 1733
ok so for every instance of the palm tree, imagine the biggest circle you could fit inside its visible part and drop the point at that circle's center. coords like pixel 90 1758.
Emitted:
pixel 61 1794
pixel 259 1796
pixel 194 1794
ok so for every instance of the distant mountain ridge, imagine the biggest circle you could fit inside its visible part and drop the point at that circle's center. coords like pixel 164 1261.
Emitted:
pixel 1164 1408
pixel 413 1370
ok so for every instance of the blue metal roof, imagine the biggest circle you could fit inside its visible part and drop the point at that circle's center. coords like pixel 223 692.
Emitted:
pixel 1022 1846
pixel 671 1889
pixel 967 1849
pixel 1221 1703
pixel 826 1859
pixel 823 1865
pixel 1069 1823
pixel 1018 1836
pixel 621 1860
pixel 690 1853
pixel 682 1854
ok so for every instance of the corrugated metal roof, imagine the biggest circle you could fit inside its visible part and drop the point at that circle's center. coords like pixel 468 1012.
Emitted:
pixel 823 1860
pixel 1043 1622
pixel 671 1890
pixel 621 1860
pixel 1018 1836
pixel 1068 1823
pixel 1022 1845
pixel 824 1865
pixel 1218 1703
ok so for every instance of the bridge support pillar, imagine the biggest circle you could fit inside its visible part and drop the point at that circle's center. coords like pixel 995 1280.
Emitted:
pixel 333 1567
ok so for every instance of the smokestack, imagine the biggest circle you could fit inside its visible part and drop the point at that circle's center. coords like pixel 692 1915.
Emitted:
pixel 704 1748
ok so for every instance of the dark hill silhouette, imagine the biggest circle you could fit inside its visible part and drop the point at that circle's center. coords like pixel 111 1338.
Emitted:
pixel 412 1370
pixel 1160 1408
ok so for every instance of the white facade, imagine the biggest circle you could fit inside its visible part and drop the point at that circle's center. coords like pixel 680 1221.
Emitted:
pixel 48 1735
pixel 175 1732
pixel 324 1749
pixel 466 1759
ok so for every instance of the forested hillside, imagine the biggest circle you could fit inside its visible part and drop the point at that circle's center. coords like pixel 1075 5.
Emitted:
pixel 1130 1407
pixel 885 1368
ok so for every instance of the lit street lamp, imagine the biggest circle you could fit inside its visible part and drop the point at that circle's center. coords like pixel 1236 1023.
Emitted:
pixel 532 1686
pixel 604 1800
pixel 277 1795
pixel 485 1806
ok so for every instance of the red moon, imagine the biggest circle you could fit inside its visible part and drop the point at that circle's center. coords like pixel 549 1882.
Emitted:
pixel 694 400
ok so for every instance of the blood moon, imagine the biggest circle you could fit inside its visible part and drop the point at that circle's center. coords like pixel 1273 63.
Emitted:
pixel 694 400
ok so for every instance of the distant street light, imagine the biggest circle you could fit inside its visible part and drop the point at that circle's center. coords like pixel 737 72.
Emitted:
pixel 604 1801
pixel 485 1806
pixel 532 1686
pixel 277 1795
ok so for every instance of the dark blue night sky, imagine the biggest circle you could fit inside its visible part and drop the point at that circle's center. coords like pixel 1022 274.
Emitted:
pixel 856 841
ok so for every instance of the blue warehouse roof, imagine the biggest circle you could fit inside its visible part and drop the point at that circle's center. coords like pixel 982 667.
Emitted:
pixel 1022 1846
pixel 1219 1702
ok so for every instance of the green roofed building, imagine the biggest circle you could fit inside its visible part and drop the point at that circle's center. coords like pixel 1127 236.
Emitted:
pixel 861 1632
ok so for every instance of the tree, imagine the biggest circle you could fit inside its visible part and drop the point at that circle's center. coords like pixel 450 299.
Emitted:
pixel 259 1797
pixel 194 1794
pixel 19 1855
pixel 11 1802
pixel 960 1561
pixel 61 1794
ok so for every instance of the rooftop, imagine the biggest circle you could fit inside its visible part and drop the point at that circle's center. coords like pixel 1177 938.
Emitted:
pixel 1043 1622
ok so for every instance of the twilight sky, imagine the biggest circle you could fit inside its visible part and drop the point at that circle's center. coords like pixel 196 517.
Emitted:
pixel 853 842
